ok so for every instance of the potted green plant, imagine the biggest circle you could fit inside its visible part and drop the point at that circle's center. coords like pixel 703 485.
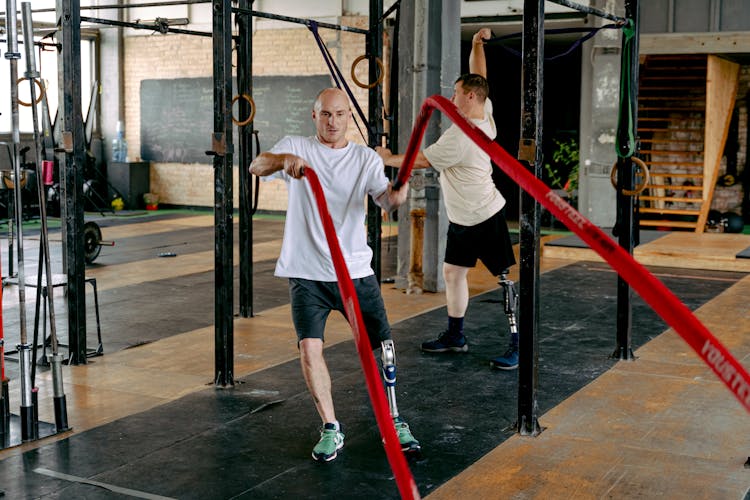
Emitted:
pixel 151 200
pixel 561 174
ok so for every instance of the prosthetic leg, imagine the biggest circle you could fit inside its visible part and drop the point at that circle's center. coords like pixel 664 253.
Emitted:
pixel 405 437
pixel 509 360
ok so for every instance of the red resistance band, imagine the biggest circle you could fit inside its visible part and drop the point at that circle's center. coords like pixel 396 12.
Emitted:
pixel 653 291
pixel 404 479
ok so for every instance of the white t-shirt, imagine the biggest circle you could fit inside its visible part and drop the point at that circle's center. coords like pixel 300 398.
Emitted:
pixel 347 175
pixel 466 173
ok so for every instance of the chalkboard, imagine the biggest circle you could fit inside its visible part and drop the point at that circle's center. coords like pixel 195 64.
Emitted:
pixel 177 114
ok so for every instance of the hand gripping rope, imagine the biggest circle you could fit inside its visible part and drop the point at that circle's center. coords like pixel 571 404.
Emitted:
pixel 653 291
pixel 404 479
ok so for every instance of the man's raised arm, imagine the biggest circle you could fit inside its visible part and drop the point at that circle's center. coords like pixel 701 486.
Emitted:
pixel 477 60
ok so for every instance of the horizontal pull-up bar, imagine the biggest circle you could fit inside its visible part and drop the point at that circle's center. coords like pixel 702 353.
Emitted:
pixel 297 20
pixel 564 3
pixel 162 28
pixel 589 10
pixel 128 6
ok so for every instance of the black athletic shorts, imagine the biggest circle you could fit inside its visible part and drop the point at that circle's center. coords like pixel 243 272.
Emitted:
pixel 312 301
pixel 488 241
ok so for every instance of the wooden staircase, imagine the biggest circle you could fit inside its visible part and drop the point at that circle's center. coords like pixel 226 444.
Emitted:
pixel 685 104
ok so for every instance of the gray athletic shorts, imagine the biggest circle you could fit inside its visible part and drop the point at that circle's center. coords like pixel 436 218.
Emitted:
pixel 312 301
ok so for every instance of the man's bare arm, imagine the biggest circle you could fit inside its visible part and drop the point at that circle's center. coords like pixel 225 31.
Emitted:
pixel 477 60
pixel 393 160
pixel 390 200
pixel 269 163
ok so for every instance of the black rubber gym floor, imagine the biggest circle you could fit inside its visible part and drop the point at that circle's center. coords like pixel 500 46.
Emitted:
pixel 254 441
pixel 140 313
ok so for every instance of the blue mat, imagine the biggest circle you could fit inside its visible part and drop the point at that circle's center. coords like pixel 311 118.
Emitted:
pixel 576 242
pixel 745 254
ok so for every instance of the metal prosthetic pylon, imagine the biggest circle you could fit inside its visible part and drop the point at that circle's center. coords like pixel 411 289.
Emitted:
pixel 508 361
pixel 510 302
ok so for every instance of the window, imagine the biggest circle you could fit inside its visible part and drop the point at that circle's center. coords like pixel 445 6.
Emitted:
pixel 46 62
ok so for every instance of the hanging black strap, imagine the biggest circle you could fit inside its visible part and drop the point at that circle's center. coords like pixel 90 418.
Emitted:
pixel 590 32
pixel 313 27
pixel 338 78
pixel 396 5
pixel 257 178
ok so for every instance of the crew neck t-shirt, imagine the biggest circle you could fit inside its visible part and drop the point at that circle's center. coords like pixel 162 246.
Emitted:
pixel 346 175
pixel 466 173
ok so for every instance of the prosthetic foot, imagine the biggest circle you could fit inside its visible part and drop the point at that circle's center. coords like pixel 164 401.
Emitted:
pixel 509 360
pixel 409 444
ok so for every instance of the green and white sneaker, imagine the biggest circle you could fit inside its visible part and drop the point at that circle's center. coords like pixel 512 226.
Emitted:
pixel 331 441
pixel 405 437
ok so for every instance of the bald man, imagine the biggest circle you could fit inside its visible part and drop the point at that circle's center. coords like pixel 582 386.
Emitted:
pixel 348 172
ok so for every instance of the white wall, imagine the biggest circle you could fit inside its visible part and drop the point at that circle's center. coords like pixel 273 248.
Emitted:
pixel 508 7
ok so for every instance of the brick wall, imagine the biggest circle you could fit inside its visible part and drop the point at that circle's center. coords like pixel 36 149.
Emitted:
pixel 291 51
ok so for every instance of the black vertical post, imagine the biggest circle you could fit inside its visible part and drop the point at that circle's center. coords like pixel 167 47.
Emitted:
pixel 222 155
pixel 393 85
pixel 374 49
pixel 73 146
pixel 746 172
pixel 245 87
pixel 627 230
pixel 530 152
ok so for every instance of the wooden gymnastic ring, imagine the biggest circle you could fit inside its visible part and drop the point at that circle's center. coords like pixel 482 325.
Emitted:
pixel 252 110
pixel 41 91
pixel 381 72
pixel 640 187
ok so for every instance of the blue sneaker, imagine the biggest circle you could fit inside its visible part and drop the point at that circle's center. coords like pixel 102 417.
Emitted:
pixel 331 441
pixel 508 361
pixel 445 343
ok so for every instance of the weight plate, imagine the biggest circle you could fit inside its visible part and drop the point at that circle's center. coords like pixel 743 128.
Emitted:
pixel 92 237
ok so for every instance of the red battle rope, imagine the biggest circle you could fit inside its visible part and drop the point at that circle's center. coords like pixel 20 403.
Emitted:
pixel 404 479
pixel 653 291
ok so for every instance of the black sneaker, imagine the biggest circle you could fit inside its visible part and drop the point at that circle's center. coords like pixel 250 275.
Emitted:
pixel 508 361
pixel 446 343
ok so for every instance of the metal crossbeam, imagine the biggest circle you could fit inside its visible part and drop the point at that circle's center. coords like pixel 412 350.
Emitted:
pixel 298 20
pixel 128 6
pixel 589 10
pixel 162 28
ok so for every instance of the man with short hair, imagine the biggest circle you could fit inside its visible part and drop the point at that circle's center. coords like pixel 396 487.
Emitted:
pixel 477 229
